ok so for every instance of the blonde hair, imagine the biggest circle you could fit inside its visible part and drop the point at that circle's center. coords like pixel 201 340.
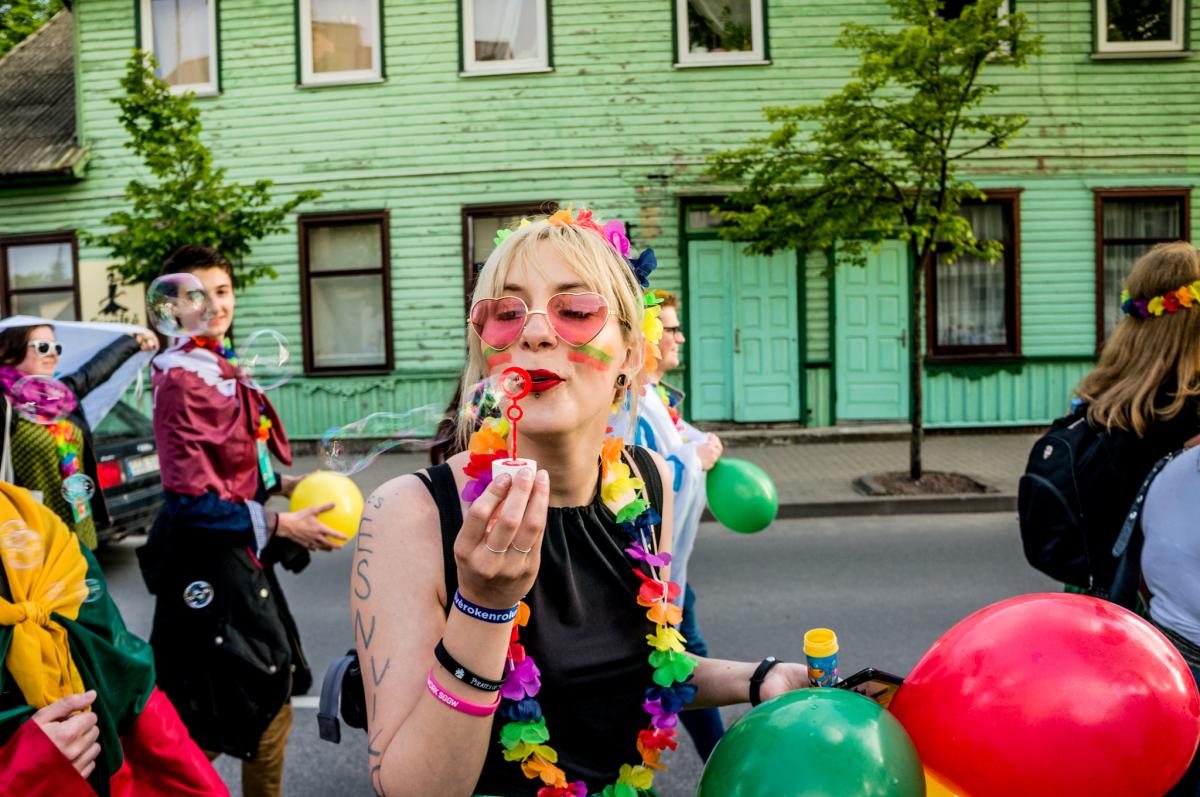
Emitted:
pixel 1143 355
pixel 589 255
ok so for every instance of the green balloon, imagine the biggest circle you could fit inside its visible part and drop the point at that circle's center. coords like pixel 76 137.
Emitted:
pixel 741 495
pixel 815 743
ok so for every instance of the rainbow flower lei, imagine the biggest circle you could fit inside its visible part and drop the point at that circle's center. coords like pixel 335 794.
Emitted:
pixel 525 737
pixel 1169 302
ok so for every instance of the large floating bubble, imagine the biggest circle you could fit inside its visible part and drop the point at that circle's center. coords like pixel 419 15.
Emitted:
pixel 352 448
pixel 264 359
pixel 178 306
pixel 42 399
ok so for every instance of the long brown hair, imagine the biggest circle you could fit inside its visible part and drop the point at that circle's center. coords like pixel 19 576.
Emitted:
pixel 1145 355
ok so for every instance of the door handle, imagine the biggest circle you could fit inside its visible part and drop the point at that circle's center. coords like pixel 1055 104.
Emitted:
pixel 904 338
pixel 737 341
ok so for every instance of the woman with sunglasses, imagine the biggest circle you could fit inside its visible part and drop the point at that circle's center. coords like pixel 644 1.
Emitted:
pixel 517 635
pixel 43 455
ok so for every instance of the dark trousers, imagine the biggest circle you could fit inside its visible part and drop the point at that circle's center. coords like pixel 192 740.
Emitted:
pixel 704 725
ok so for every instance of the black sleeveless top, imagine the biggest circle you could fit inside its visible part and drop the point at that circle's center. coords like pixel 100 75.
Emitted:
pixel 586 633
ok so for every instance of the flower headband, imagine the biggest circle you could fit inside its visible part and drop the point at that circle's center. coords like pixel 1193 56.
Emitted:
pixel 612 231
pixel 1169 302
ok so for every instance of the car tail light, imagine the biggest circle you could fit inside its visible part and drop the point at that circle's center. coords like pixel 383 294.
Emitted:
pixel 110 473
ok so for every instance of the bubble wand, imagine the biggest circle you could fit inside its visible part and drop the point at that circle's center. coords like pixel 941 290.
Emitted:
pixel 515 384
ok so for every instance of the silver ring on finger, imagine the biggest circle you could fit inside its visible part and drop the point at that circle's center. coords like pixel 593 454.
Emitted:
pixel 493 550
pixel 516 547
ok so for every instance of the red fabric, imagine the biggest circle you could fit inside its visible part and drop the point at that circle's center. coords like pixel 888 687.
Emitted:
pixel 161 760
pixel 204 424
pixel 31 766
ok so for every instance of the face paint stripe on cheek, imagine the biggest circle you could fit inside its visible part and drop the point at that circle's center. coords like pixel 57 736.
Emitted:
pixel 592 357
pixel 496 358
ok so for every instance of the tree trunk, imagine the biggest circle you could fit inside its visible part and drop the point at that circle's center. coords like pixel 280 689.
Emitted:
pixel 916 388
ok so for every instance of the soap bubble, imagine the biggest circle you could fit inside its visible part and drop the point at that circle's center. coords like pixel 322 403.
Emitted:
pixel 20 547
pixel 178 306
pixel 264 358
pixel 78 487
pixel 42 399
pixel 352 448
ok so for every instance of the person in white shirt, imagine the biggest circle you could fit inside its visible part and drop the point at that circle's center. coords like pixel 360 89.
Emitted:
pixel 691 453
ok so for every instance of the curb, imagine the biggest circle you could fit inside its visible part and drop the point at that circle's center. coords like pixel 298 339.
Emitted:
pixel 899 505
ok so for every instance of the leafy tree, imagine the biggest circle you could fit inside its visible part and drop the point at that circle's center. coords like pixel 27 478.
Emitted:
pixel 189 201
pixel 21 18
pixel 880 159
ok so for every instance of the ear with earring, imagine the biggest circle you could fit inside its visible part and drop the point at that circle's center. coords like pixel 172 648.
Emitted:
pixel 621 387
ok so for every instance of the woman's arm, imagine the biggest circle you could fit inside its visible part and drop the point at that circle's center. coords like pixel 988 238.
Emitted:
pixel 97 370
pixel 415 744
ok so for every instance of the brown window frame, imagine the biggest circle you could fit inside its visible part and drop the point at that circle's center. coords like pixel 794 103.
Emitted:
pixel 306 221
pixel 24 239
pixel 1011 349
pixel 1182 193
pixel 543 207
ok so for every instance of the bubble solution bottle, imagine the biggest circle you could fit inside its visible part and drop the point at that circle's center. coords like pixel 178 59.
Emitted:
pixel 821 649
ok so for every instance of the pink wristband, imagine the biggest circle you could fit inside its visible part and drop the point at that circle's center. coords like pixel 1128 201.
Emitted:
pixel 458 704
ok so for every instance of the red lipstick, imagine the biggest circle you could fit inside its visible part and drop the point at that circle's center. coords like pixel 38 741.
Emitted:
pixel 544 380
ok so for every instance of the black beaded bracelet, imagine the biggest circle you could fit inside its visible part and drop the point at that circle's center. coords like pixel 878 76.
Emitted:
pixel 462 673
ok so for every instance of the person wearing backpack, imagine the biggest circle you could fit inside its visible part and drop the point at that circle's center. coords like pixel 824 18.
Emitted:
pixel 1140 403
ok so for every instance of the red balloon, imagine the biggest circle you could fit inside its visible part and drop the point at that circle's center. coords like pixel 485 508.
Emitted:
pixel 1052 694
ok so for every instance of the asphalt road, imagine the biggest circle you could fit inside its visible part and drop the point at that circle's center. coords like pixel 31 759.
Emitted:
pixel 889 586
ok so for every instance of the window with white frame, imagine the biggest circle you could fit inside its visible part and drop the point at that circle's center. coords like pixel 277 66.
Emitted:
pixel 714 32
pixel 182 35
pixel 505 36
pixel 1124 26
pixel 340 41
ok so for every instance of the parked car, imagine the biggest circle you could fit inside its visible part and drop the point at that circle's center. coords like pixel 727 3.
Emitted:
pixel 127 471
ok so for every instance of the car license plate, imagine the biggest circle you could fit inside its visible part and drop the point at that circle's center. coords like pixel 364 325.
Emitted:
pixel 140 466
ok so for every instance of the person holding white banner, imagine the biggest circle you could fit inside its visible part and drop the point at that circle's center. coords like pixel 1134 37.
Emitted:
pixel 47 444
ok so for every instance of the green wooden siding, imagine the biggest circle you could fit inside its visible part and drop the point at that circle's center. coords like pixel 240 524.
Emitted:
pixel 615 127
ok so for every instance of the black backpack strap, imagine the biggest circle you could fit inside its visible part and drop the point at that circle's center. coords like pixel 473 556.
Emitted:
pixel 439 480
pixel 650 475
pixel 331 693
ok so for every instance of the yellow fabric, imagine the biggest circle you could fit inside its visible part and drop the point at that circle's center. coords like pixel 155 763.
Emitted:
pixel 45 571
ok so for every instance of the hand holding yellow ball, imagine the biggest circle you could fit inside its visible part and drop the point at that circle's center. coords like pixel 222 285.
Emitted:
pixel 325 487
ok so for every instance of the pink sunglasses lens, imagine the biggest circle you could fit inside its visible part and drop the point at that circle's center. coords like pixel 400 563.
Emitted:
pixel 577 317
pixel 498 322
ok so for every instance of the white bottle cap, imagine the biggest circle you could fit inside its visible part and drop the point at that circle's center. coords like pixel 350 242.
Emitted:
pixel 512 467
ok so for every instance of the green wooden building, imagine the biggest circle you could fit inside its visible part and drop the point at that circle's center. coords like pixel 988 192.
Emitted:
pixel 428 125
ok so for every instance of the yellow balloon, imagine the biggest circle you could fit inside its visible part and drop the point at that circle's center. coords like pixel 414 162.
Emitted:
pixel 935 788
pixel 327 487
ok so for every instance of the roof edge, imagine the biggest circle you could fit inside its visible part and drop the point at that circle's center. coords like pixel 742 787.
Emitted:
pixel 35 34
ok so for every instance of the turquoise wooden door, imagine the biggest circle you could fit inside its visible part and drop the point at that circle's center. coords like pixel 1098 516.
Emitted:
pixel 872 337
pixel 745 344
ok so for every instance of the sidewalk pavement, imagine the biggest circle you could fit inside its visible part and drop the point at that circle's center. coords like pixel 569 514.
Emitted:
pixel 815 479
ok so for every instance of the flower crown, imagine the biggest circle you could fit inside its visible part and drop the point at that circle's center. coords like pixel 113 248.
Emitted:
pixel 612 231
pixel 1169 302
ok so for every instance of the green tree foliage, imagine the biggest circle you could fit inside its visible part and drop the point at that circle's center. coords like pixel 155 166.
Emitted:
pixel 189 201
pixel 880 159
pixel 19 19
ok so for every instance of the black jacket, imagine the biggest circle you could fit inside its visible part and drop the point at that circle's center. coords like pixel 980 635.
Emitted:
pixel 91 375
pixel 226 648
